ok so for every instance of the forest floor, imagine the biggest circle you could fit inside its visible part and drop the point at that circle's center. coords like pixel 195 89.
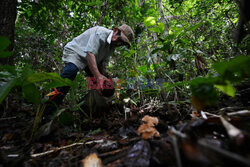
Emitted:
pixel 216 136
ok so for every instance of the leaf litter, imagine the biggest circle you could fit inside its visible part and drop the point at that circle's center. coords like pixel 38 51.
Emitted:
pixel 209 137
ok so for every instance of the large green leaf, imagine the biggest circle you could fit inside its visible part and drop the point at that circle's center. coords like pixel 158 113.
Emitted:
pixel 235 69
pixel 194 27
pixel 154 29
pixel 10 69
pixel 161 27
pixel 38 77
pixel 5 89
pixel 66 118
pixel 53 84
pixel 227 89
pixel 204 89
pixel 5 74
pixel 4 54
pixel 26 72
pixel 150 21
pixel 236 64
pixel 31 93
pixel 4 43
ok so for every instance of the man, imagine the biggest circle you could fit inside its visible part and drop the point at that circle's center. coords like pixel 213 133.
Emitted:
pixel 91 51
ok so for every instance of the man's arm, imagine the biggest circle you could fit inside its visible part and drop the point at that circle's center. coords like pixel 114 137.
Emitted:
pixel 91 60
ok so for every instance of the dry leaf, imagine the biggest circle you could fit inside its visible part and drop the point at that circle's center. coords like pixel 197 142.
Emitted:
pixel 92 160
pixel 139 155
pixel 147 129
pixel 147 132
pixel 151 121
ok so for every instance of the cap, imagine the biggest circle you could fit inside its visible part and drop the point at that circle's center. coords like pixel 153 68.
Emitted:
pixel 127 33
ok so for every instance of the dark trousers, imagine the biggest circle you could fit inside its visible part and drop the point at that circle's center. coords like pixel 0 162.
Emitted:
pixel 70 70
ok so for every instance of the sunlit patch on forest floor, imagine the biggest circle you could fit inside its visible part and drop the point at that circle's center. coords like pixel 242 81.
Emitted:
pixel 176 135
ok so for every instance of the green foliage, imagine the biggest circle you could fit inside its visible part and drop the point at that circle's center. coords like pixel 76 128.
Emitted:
pixel 31 93
pixel 27 79
pixel 159 28
pixel 66 118
pixel 165 48
pixel 29 89
pixel 5 88
pixel 235 70
pixel 150 21
pixel 227 89
pixel 227 73
pixel 204 89
pixel 153 26
pixel 58 80
pixel 4 43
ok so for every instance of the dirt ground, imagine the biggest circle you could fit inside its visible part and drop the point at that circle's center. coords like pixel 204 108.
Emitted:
pixel 215 136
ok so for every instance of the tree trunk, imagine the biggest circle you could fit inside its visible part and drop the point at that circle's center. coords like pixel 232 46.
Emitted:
pixel 163 19
pixel 8 12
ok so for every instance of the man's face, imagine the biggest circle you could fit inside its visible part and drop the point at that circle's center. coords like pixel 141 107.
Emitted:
pixel 116 40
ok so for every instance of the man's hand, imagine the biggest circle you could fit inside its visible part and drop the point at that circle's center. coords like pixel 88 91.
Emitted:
pixel 91 60
pixel 100 82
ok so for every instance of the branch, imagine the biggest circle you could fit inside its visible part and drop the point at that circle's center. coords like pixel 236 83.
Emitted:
pixel 64 147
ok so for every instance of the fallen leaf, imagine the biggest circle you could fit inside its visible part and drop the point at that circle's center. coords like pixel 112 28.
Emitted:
pixel 139 155
pixel 92 160
pixel 147 132
pixel 151 121
pixel 147 129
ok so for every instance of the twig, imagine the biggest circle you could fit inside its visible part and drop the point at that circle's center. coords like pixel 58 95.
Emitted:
pixel 230 108
pixel 94 141
pixel 231 130
pixel 177 133
pixel 112 156
pixel 176 151
pixel 211 114
pixel 64 147
pixel 203 114
pixel 54 150
pixel 225 153
pixel 8 118
pixel 111 153
pixel 239 113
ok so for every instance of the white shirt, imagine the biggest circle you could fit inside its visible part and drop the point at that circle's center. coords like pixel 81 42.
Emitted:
pixel 96 40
